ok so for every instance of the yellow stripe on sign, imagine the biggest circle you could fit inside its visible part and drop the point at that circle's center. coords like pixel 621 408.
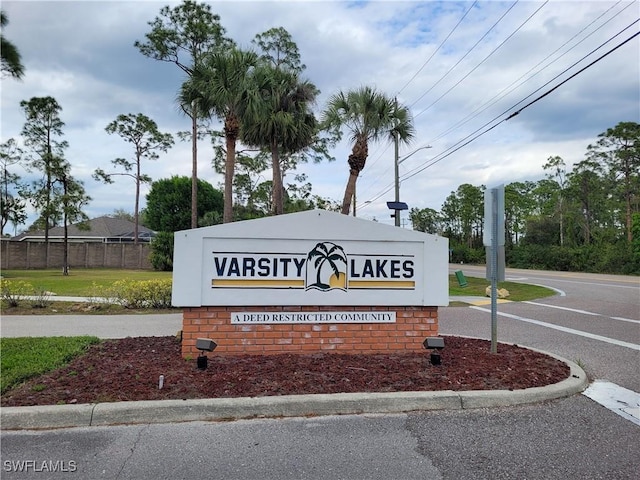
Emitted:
pixel 381 284
pixel 257 283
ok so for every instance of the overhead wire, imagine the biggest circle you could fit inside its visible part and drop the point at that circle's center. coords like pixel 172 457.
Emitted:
pixel 510 88
pixel 574 75
pixel 584 57
pixel 424 65
pixel 449 71
pixel 466 54
pixel 438 48
pixel 466 141
pixel 484 59
pixel 381 175
pixel 411 173
pixel 537 99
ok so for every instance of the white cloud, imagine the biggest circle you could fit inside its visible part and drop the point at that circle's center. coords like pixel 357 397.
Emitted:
pixel 82 54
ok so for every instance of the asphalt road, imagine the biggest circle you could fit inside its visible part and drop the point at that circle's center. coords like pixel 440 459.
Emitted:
pixel 594 319
pixel 573 438
pixel 580 323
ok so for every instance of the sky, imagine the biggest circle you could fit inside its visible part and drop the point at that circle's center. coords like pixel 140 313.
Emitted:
pixel 461 68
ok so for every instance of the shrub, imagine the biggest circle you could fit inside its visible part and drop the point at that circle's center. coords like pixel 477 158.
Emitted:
pixel 464 254
pixel 604 258
pixel 12 291
pixel 158 293
pixel 635 241
pixel 142 294
pixel 617 258
pixel 96 297
pixel 41 298
pixel 161 256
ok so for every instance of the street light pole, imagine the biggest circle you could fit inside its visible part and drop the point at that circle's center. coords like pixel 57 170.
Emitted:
pixel 397 162
pixel 397 177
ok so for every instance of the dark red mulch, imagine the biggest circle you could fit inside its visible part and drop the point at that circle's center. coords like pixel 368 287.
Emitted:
pixel 119 370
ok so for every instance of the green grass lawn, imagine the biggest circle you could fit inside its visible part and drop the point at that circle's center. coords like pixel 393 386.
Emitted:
pixel 518 292
pixel 89 282
pixel 80 282
pixel 25 358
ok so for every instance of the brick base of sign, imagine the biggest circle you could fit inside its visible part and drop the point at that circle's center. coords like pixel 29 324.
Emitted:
pixel 406 334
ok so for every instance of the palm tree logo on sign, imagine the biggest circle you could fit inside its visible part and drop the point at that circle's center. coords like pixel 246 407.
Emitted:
pixel 323 268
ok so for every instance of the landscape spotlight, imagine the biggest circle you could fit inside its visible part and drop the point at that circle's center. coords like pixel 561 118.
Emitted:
pixel 434 344
pixel 204 345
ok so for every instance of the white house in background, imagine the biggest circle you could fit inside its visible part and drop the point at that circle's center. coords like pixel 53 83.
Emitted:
pixel 102 229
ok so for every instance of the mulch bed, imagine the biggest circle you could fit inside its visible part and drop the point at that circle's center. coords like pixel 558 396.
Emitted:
pixel 129 369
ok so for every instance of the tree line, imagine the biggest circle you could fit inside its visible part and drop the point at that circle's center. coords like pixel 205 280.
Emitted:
pixel 56 195
pixel 265 106
pixel 585 219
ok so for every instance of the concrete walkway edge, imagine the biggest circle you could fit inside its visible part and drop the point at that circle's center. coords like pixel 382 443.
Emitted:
pixel 220 409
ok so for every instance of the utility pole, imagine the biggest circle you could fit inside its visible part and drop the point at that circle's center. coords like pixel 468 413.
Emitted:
pixel 396 164
pixel 397 177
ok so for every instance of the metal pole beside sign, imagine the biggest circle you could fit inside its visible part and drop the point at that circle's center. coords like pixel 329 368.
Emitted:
pixel 494 238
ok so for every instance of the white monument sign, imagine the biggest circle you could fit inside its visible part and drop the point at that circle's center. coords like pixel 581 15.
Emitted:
pixel 308 258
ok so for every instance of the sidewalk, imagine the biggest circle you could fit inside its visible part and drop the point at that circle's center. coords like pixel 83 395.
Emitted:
pixel 477 301
pixel 115 326
pixel 101 326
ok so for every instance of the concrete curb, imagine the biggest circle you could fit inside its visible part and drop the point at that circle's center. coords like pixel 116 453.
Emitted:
pixel 45 416
pixel 576 382
pixel 216 409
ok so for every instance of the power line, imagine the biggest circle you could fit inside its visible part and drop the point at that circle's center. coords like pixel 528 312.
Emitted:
pixel 466 54
pixel 548 92
pixel 437 49
pixel 422 67
pixel 580 60
pixel 451 69
pixel 483 60
pixel 459 145
pixel 389 186
pixel 574 75
pixel 515 84
pixel 447 73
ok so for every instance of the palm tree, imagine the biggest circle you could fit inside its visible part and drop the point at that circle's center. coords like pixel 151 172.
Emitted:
pixel 323 255
pixel 279 119
pixel 368 115
pixel 218 87
pixel 11 62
